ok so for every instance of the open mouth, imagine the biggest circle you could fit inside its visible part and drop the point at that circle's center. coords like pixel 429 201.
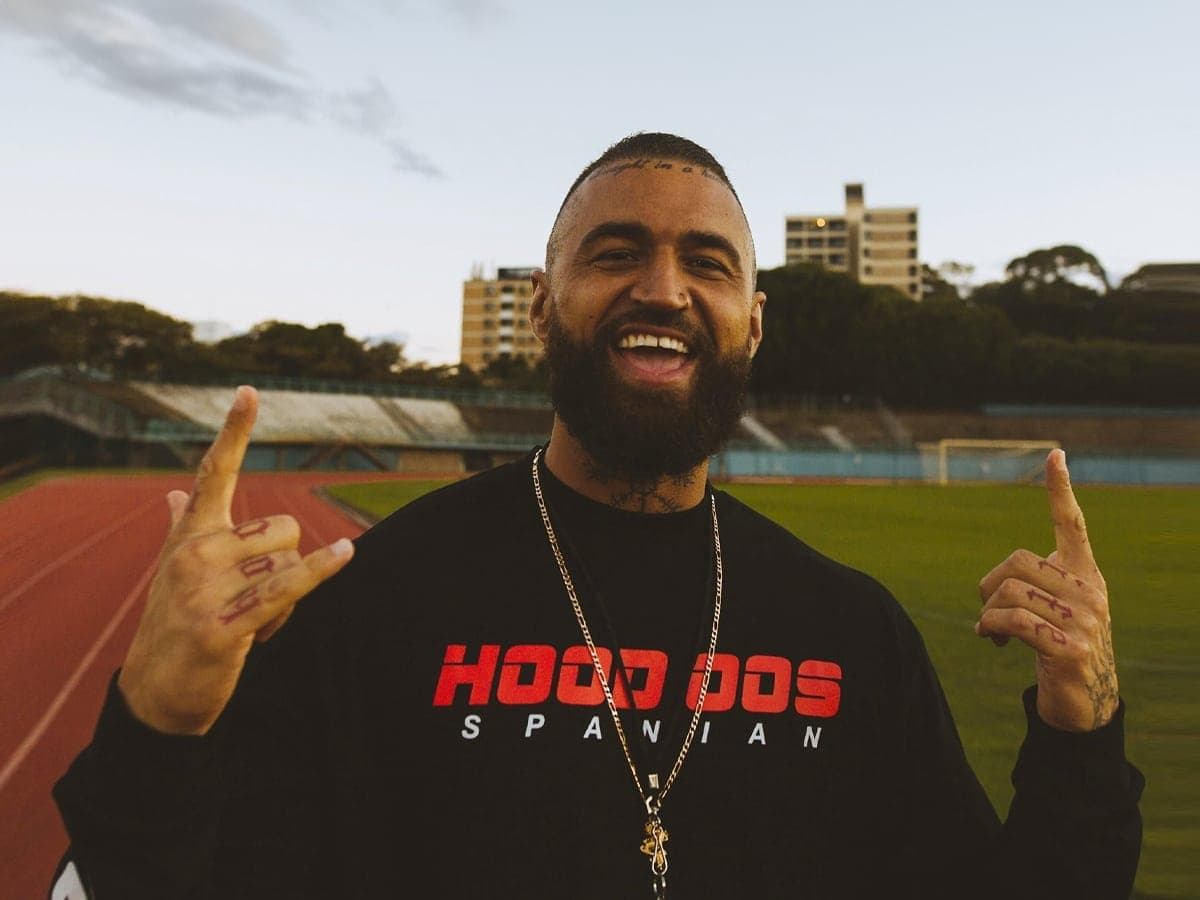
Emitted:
pixel 654 356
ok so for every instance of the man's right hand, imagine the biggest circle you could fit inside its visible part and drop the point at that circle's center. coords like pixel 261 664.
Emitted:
pixel 218 588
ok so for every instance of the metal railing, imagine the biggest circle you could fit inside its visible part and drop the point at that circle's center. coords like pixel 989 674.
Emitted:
pixel 494 397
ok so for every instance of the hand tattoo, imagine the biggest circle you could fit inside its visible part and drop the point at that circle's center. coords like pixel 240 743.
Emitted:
pixel 251 528
pixel 257 565
pixel 240 605
pixel 1046 564
pixel 1055 635
pixel 1053 602
pixel 1102 687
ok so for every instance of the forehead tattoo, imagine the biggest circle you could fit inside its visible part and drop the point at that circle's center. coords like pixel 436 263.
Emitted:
pixel 658 164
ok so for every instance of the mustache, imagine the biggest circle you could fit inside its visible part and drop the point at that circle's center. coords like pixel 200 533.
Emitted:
pixel 694 333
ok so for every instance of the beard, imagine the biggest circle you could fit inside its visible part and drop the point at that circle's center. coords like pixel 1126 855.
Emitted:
pixel 645 433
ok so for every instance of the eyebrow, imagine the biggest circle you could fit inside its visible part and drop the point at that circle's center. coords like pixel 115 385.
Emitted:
pixel 638 233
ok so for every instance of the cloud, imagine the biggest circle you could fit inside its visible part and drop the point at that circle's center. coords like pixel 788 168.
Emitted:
pixel 220 24
pixel 467 12
pixel 145 72
pixel 371 111
pixel 211 56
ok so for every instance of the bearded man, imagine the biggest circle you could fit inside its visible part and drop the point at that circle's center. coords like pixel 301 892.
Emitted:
pixel 589 673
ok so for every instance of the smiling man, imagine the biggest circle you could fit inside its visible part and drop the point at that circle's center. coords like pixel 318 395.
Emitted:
pixel 649 316
pixel 590 673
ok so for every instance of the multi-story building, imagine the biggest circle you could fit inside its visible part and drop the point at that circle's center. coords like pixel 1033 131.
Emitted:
pixel 1178 277
pixel 873 245
pixel 495 318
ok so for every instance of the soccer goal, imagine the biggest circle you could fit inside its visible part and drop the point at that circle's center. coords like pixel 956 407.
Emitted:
pixel 983 459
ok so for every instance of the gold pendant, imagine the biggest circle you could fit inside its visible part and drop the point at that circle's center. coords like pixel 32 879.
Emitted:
pixel 654 845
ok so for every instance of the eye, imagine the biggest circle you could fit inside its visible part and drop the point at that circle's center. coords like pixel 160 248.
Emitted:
pixel 710 264
pixel 616 255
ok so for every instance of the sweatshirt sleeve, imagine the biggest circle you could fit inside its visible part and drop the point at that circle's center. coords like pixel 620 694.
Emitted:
pixel 141 809
pixel 241 812
pixel 1073 829
pixel 1075 812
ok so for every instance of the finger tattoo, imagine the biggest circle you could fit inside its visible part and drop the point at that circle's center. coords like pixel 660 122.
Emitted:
pixel 1046 564
pixel 1053 602
pixel 257 565
pixel 1055 635
pixel 251 528
pixel 240 605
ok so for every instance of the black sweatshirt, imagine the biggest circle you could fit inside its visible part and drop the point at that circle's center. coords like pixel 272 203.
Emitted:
pixel 430 719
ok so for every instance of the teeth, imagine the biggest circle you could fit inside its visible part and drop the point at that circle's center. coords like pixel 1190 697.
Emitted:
pixel 630 341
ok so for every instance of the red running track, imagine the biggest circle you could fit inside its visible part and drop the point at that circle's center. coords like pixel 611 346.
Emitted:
pixel 76 556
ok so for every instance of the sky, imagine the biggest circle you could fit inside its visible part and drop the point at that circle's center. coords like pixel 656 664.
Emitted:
pixel 351 161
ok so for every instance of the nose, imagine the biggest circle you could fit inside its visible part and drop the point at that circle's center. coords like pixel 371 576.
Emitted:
pixel 660 283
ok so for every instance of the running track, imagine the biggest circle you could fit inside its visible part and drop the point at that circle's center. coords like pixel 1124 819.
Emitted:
pixel 76 556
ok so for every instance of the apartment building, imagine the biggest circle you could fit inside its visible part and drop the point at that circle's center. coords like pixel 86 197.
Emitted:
pixel 495 318
pixel 873 245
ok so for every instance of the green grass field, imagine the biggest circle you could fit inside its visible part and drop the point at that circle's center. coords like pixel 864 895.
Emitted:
pixel 16 485
pixel 931 545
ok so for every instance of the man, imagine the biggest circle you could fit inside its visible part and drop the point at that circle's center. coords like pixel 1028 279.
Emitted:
pixel 589 674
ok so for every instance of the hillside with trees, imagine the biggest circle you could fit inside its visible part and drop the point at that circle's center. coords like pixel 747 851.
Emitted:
pixel 1052 331
pixel 1042 335
pixel 129 340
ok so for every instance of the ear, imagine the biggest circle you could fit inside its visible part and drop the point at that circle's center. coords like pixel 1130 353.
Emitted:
pixel 756 321
pixel 539 304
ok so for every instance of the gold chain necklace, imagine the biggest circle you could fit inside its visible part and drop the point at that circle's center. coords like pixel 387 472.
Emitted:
pixel 654 843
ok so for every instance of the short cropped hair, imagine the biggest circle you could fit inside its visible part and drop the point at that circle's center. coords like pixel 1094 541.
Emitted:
pixel 642 144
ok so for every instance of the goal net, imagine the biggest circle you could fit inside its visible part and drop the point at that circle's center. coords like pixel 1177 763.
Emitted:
pixel 982 459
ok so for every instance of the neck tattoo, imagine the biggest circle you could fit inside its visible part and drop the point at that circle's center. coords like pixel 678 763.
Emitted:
pixel 653 792
pixel 641 494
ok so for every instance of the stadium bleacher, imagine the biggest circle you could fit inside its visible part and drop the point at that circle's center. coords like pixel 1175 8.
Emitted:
pixel 300 417
pixel 311 424
pixel 1099 429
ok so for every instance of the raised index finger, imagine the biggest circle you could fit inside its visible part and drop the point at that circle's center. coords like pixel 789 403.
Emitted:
pixel 1070 531
pixel 216 478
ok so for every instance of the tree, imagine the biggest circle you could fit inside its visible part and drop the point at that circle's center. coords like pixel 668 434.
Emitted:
pixel 823 332
pixel 129 339
pixel 386 356
pixel 1159 317
pixel 1065 262
pixel 934 286
pixel 515 374
pixel 114 336
pixel 959 275
pixel 34 331
pixel 291 349
pixel 1053 370
pixel 1060 308
pixel 446 375
pixel 946 354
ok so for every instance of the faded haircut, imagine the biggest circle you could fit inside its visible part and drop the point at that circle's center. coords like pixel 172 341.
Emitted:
pixel 642 145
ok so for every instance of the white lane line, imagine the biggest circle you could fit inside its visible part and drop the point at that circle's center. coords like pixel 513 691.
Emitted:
pixel 15 544
pixel 78 549
pixel 26 746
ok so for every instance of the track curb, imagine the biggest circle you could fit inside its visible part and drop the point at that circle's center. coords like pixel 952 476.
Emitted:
pixel 358 516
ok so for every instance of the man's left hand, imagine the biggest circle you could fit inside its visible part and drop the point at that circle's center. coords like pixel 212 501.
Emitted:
pixel 1058 605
